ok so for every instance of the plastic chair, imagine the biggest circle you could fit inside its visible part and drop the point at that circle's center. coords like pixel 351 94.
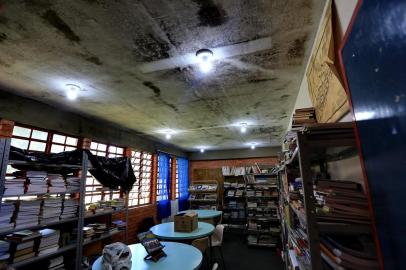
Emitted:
pixel 217 242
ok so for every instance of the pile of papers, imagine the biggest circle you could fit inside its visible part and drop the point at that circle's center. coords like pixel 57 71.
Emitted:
pixel 14 186
pixel 51 210
pixel 24 241
pixel 56 263
pixel 99 228
pixel 37 182
pixel 6 212
pixel 72 184
pixel 4 250
pixel 56 183
pixel 49 241
pixel 28 212
pixel 70 208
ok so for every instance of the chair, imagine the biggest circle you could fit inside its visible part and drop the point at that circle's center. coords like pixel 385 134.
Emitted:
pixel 202 244
pixel 217 242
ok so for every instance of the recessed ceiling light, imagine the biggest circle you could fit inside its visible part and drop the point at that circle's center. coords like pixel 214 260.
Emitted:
pixel 243 127
pixel 205 57
pixel 72 91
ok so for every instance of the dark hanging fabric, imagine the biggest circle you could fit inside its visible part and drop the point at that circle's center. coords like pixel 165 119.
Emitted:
pixel 110 172
pixel 164 186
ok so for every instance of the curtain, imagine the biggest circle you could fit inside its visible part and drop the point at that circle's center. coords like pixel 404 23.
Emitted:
pixel 183 183
pixel 163 186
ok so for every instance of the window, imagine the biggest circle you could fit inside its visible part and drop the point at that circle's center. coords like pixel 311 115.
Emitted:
pixel 142 166
pixel 61 143
pixel 163 177
pixel 94 190
pixel 29 139
pixel 177 181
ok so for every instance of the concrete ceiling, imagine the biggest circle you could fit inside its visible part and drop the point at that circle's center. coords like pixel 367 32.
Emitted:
pixel 102 45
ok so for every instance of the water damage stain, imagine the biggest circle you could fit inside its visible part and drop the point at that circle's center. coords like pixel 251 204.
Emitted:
pixel 94 59
pixel 3 37
pixel 53 19
pixel 151 48
pixel 296 49
pixel 259 80
pixel 210 14
pixel 153 87
pixel 157 97
pixel 284 96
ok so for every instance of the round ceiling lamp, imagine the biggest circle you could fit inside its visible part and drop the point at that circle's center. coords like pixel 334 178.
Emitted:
pixel 205 57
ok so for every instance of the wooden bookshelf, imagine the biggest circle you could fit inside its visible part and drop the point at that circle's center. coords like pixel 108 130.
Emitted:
pixel 302 169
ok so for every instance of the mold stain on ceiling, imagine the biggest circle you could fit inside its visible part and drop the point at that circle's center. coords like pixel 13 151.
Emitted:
pixel 101 44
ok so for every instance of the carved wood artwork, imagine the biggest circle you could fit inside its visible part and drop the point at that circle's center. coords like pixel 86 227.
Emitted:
pixel 325 87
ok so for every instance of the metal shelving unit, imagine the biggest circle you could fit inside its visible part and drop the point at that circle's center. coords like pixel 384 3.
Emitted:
pixel 80 219
pixel 234 217
pixel 263 222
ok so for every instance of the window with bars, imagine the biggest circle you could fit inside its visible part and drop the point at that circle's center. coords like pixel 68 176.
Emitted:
pixel 94 190
pixel 29 139
pixel 142 166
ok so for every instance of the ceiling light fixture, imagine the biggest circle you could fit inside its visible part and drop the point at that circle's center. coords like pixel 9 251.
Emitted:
pixel 243 127
pixel 253 145
pixel 201 150
pixel 168 136
pixel 205 59
pixel 72 91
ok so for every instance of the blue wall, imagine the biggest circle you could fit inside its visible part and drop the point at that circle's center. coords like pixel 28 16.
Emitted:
pixel 374 58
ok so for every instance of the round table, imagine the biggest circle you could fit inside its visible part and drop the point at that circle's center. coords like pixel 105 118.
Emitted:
pixel 166 231
pixel 179 256
pixel 205 214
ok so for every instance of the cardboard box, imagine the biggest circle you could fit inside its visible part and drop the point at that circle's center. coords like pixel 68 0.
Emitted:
pixel 186 222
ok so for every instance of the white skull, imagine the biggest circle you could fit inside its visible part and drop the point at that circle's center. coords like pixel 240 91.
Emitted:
pixel 116 256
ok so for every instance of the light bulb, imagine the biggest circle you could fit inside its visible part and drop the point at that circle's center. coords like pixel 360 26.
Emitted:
pixel 252 146
pixel 243 127
pixel 206 66
pixel 202 150
pixel 72 91
pixel 168 136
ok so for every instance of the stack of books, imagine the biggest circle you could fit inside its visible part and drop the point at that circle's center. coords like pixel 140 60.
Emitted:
pixel 56 183
pixel 99 228
pixel 303 116
pixel 88 232
pixel 6 212
pixel 14 186
pixel 37 182
pixel 236 171
pixel 56 263
pixel 348 252
pixel 24 242
pixel 28 212
pixel 4 250
pixel 119 224
pixel 341 202
pixel 117 204
pixel 72 184
pixel 49 241
pixel 70 208
pixel 51 210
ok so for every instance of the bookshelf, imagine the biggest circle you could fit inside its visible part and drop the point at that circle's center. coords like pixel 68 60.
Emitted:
pixel 234 202
pixel 263 222
pixel 54 206
pixel 325 220
pixel 204 194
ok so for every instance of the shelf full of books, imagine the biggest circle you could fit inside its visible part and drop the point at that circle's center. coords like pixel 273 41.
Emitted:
pixel 204 194
pixel 326 221
pixel 263 222
pixel 234 202
pixel 43 217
